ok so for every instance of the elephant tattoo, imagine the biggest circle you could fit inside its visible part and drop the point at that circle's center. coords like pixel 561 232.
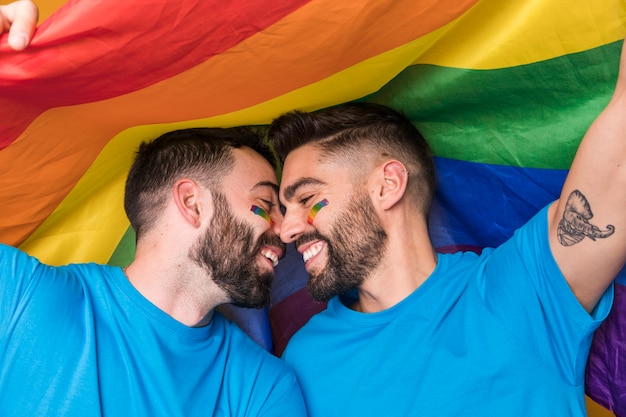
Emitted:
pixel 574 225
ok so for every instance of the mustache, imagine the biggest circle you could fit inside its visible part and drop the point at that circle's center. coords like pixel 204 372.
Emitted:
pixel 309 237
pixel 271 240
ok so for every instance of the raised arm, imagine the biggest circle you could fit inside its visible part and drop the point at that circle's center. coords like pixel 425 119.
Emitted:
pixel 20 20
pixel 588 223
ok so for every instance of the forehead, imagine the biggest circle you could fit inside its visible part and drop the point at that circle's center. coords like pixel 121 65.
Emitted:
pixel 307 167
pixel 301 158
pixel 250 170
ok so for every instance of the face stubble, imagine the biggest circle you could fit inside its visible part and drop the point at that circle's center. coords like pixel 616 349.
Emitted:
pixel 354 243
pixel 229 254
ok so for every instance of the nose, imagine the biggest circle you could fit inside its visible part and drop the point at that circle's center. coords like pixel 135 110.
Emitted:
pixel 292 227
pixel 277 221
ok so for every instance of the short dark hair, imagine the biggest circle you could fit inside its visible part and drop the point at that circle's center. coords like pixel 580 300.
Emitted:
pixel 202 154
pixel 358 132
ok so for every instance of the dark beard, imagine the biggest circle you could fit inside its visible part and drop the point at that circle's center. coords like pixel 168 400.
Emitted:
pixel 355 243
pixel 229 254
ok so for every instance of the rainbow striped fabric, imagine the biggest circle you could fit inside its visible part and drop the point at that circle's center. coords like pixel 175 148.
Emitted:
pixel 503 92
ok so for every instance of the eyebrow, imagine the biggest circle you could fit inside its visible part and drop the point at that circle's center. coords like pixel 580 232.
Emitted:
pixel 269 184
pixel 291 190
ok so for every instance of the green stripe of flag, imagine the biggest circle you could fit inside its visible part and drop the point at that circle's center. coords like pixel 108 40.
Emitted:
pixel 124 253
pixel 529 116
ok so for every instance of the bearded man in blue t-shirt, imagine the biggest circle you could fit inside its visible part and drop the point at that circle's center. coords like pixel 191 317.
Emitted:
pixel 409 332
pixel 94 340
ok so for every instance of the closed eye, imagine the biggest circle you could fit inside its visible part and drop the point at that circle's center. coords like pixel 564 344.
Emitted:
pixel 269 204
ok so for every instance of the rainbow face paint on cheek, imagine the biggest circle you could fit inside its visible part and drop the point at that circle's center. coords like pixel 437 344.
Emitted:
pixel 260 212
pixel 316 209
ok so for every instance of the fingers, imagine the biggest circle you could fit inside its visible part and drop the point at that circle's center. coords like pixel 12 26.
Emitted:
pixel 20 19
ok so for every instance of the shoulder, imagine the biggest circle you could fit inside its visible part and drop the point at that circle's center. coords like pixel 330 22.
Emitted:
pixel 528 247
pixel 533 235
pixel 10 256
pixel 20 262
pixel 325 330
pixel 22 271
pixel 448 263
pixel 19 270
pixel 243 351
pixel 323 320
pixel 269 380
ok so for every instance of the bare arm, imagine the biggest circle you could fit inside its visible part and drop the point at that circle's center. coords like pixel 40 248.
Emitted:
pixel 20 20
pixel 588 223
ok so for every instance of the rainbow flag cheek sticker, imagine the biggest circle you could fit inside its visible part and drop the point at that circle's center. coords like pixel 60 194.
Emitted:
pixel 261 212
pixel 315 209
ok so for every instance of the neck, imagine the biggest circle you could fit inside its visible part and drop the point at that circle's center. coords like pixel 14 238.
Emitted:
pixel 182 290
pixel 406 264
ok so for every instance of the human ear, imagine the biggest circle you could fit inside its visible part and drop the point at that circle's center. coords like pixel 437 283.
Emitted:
pixel 393 178
pixel 186 194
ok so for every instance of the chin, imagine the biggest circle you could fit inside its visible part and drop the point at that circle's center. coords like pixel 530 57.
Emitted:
pixel 257 298
pixel 256 303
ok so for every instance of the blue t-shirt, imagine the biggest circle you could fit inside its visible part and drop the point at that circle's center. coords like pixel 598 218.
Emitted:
pixel 79 340
pixel 499 334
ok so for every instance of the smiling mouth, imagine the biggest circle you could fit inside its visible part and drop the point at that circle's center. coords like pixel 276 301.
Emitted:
pixel 273 257
pixel 312 251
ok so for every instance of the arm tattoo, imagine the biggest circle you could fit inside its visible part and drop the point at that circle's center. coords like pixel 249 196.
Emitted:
pixel 574 225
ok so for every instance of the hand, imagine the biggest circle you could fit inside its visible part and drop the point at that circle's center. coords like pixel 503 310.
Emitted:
pixel 20 20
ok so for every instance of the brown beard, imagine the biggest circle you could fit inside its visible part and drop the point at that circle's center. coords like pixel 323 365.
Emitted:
pixel 355 243
pixel 229 254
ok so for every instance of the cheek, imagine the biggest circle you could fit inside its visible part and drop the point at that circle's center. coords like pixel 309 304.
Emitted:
pixel 259 211
pixel 315 210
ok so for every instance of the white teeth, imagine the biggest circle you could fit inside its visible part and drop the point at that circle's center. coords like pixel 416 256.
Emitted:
pixel 271 256
pixel 312 251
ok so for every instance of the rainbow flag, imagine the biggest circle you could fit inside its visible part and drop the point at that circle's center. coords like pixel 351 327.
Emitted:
pixel 503 92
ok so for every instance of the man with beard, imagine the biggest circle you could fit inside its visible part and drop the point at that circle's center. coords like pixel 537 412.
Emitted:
pixel 92 340
pixel 503 333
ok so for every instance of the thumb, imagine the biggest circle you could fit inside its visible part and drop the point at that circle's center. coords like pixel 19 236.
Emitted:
pixel 22 16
